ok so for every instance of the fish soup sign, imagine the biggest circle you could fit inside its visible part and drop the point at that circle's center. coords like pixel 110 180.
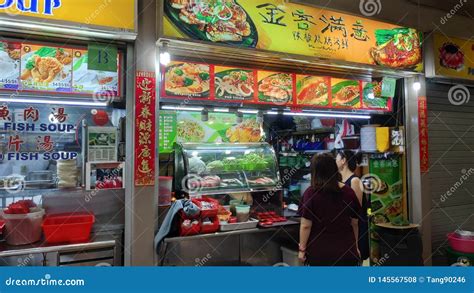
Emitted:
pixel 112 14
pixel 297 29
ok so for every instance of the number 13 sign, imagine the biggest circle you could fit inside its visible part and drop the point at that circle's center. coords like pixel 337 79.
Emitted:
pixel 102 57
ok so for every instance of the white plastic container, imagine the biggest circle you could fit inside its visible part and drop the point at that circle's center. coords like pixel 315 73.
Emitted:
pixel 21 229
pixel 290 257
pixel 368 141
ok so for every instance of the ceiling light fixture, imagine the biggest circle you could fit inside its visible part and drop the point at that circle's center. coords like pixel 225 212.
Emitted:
pixel 165 57
pixel 51 101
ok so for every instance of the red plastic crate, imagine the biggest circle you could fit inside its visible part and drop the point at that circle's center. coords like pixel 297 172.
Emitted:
pixel 188 231
pixel 209 213
pixel 211 228
pixel 68 228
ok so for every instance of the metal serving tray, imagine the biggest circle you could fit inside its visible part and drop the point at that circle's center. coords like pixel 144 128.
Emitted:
pixel 250 224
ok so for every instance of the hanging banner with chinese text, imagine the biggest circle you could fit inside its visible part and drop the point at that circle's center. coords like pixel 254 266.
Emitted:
pixel 423 134
pixel 145 128
pixel 279 26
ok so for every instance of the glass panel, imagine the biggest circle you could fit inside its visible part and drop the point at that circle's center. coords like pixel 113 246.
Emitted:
pixel 226 167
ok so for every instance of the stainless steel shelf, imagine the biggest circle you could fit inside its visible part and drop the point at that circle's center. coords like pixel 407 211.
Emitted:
pixel 223 191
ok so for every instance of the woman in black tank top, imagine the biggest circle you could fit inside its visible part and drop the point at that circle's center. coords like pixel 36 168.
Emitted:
pixel 347 162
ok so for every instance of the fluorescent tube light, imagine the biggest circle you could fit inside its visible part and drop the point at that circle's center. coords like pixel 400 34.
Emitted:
pixel 248 111
pixel 182 108
pixel 327 115
pixel 62 102
pixel 222 110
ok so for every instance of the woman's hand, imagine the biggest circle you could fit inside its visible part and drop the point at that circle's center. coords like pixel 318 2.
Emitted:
pixel 302 256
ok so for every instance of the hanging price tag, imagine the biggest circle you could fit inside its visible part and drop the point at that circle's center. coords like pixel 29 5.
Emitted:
pixel 388 87
pixel 102 57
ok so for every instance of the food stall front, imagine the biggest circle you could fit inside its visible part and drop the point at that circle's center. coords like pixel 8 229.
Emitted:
pixel 62 131
pixel 265 87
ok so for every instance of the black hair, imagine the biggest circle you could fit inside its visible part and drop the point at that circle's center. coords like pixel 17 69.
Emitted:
pixel 352 158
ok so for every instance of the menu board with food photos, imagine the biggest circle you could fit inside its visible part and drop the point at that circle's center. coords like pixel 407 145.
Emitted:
pixel 312 90
pixel 46 68
pixel 36 67
pixel 222 84
pixel 234 84
pixel 275 87
pixel 10 54
pixel 95 82
pixel 345 93
pixel 372 96
pixel 184 126
pixel 187 79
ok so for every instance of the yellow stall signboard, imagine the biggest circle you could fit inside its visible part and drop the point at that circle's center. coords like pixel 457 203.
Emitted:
pixel 117 14
pixel 278 26
pixel 453 57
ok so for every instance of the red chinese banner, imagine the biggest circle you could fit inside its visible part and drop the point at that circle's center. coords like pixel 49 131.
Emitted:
pixel 423 134
pixel 145 128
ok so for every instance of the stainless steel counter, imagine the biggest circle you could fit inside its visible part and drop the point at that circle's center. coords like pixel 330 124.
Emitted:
pixel 101 249
pixel 255 247
pixel 41 247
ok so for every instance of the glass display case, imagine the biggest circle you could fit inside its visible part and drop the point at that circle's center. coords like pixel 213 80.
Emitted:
pixel 224 168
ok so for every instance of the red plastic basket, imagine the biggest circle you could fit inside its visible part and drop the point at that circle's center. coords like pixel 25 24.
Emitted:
pixel 461 244
pixel 188 231
pixel 208 213
pixel 210 228
pixel 68 228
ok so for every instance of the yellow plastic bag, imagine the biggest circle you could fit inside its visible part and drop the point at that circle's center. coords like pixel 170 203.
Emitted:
pixel 382 138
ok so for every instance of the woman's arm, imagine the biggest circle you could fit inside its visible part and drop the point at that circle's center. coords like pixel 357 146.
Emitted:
pixel 356 185
pixel 355 228
pixel 305 229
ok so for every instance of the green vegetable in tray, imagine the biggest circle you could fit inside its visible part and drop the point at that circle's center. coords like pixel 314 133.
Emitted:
pixel 253 162
pixel 215 166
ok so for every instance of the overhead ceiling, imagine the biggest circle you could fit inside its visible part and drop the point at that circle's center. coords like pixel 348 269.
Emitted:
pixel 466 7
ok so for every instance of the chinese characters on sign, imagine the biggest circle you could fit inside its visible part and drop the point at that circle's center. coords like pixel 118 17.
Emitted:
pixel 29 122
pixel 423 134
pixel 145 129
pixel 292 28
pixel 273 14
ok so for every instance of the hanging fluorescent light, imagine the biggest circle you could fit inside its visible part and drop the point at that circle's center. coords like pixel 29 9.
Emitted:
pixel 198 109
pixel 326 115
pixel 165 57
pixel 248 111
pixel 182 108
pixel 417 84
pixel 222 110
pixel 44 101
